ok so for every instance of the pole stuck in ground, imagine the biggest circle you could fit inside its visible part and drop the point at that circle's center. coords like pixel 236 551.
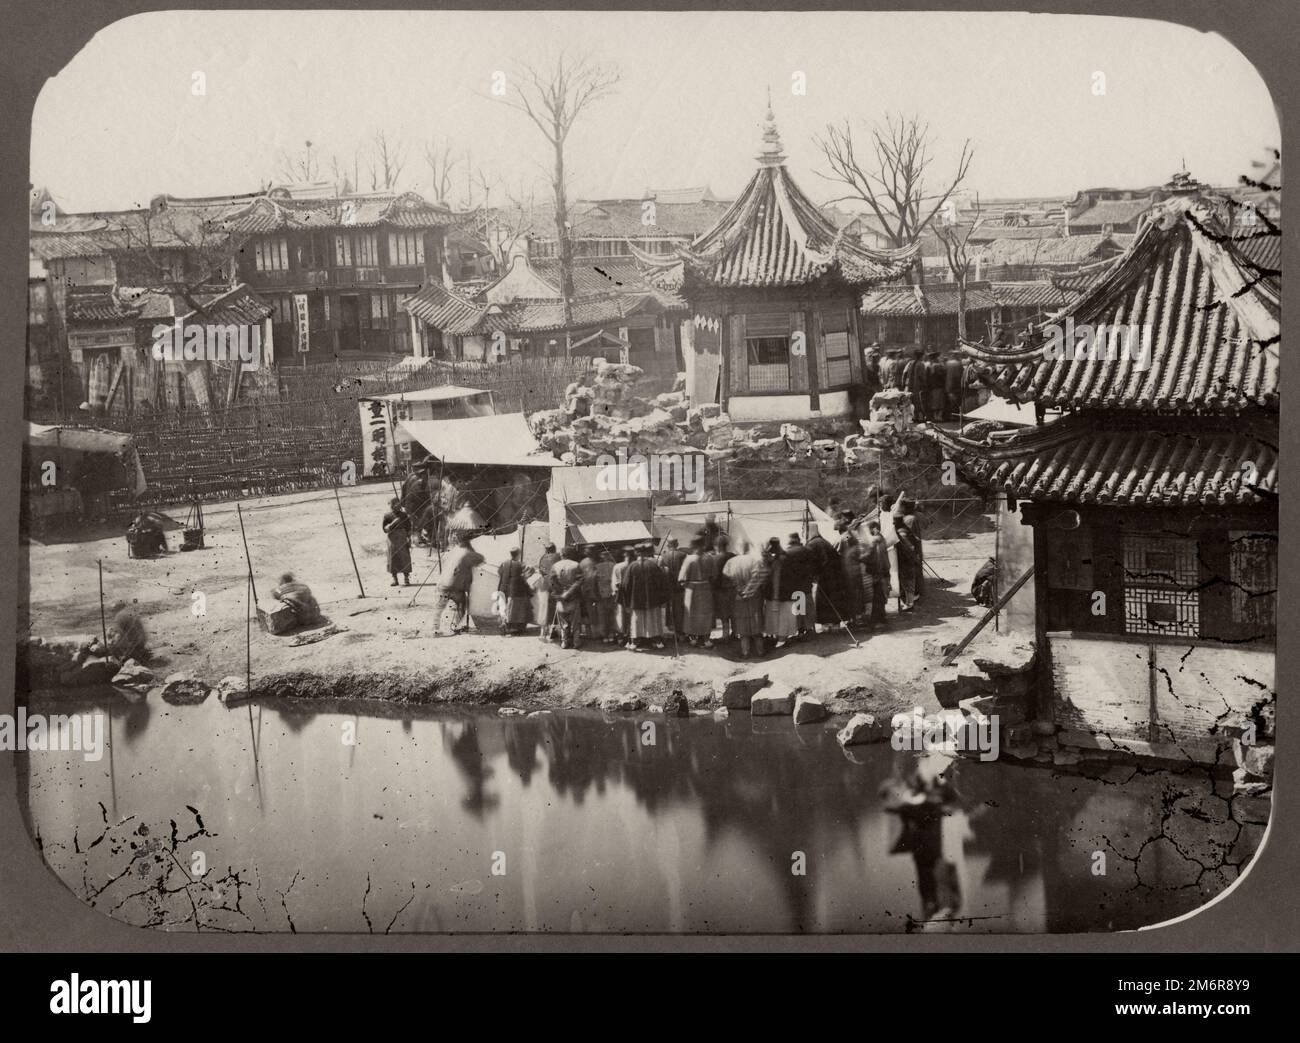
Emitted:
pixel 339 503
pixel 247 557
pixel 103 623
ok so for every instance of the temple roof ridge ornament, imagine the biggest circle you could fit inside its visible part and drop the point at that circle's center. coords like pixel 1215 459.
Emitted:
pixel 771 153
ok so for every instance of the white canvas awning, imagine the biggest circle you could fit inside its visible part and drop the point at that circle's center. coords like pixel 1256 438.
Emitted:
pixel 1001 411
pixel 491 441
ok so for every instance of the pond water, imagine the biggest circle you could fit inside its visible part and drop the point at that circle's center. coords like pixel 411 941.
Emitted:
pixel 268 818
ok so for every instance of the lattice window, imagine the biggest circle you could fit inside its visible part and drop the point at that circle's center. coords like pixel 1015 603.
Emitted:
pixel 1161 586
pixel 768 362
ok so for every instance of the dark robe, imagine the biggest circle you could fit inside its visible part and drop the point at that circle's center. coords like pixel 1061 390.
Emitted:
pixel 671 562
pixel 832 597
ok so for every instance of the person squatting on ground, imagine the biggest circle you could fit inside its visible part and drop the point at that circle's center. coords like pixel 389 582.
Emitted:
pixel 397 527
pixel 297 596
pixel 454 583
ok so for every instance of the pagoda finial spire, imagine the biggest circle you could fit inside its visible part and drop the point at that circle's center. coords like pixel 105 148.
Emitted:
pixel 771 153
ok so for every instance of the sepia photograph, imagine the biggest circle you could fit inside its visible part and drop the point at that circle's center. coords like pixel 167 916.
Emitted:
pixel 649 472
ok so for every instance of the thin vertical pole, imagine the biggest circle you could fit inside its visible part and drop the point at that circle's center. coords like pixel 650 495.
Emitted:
pixel 247 558
pixel 339 503
pixel 103 623
pixel 248 639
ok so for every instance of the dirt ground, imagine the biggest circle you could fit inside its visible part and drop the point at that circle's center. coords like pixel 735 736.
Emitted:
pixel 386 651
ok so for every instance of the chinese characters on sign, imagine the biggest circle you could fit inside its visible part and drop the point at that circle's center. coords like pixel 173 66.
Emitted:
pixel 300 311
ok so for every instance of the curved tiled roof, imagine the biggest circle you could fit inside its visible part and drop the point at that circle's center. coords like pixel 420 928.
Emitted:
pixel 772 236
pixel 1213 324
pixel 1075 460
pixel 407 210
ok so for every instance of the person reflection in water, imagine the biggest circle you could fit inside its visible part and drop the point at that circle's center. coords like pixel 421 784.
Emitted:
pixel 921 799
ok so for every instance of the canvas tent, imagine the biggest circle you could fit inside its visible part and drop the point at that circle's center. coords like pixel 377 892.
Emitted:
pixel 380 415
pixel 581 511
pixel 1006 413
pixel 754 520
pixel 503 440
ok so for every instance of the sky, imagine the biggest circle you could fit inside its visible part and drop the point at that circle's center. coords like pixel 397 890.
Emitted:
pixel 122 122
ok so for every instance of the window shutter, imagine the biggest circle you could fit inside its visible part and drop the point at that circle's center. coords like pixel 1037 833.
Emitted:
pixel 739 357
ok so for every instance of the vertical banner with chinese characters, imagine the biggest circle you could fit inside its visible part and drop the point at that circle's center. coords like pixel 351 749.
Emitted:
pixel 378 420
pixel 300 312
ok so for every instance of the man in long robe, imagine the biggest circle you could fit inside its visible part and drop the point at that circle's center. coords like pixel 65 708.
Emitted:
pixel 849 555
pixel 591 618
pixel 723 594
pixel 566 591
pixel 645 594
pixel 904 513
pixel 453 585
pixel 799 572
pixel 617 578
pixel 397 553
pixel 671 562
pixel 517 594
pixel 747 577
pixel 544 565
pixel 696 579
pixel 875 571
pixel 830 596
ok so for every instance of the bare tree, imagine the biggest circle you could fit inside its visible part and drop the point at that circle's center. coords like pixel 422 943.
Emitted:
pixel 299 166
pixel 442 165
pixel 387 160
pixel 343 185
pixel 554 98
pixel 955 237
pixel 505 226
pixel 890 177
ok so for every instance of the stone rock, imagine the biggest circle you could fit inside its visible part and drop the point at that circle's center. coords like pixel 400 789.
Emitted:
pixel 1256 759
pixel 793 433
pixel 1043 727
pixel 678 413
pixel 1005 657
pixel 1246 785
pixel 679 382
pixel 231 688
pixel 937 648
pixel 1065 758
pixel 863 728
pixel 133 673
pixel 181 690
pixel 95 670
pixel 709 410
pixel 676 706
pixel 621 703
pixel 509 711
pixel 735 692
pixel 808 709
pixel 777 701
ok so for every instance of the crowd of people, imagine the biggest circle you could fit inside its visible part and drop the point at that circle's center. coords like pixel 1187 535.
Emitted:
pixel 711 591
pixel 936 381
pixel 707 592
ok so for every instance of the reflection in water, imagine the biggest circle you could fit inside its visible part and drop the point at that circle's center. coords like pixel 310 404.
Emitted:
pixel 573 821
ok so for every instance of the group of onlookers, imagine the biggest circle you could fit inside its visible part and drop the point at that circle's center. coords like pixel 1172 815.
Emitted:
pixel 935 381
pixel 710 591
